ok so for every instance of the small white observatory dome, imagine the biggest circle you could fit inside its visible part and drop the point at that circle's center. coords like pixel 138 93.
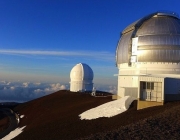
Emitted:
pixel 81 77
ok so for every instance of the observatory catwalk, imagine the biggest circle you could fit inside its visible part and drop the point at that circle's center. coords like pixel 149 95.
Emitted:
pixel 148 59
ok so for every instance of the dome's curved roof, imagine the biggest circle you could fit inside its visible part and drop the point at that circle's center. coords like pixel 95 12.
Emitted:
pixel 158 39
pixel 81 72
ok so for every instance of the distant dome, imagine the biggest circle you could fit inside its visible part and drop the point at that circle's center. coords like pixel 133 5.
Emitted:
pixel 81 71
pixel 81 77
pixel 158 39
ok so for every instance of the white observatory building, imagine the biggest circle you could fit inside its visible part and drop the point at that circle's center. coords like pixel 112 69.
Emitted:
pixel 148 59
pixel 81 78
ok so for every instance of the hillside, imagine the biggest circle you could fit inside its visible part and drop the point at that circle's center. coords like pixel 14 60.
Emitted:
pixel 4 122
pixel 56 117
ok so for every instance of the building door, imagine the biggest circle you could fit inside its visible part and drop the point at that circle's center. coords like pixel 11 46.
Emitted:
pixel 150 91
pixel 149 87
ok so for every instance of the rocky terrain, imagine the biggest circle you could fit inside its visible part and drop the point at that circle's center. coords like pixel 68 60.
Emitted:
pixel 165 125
pixel 4 122
pixel 56 117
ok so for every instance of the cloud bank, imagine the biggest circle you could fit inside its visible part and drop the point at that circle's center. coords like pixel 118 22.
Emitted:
pixel 21 92
pixel 26 91
pixel 107 88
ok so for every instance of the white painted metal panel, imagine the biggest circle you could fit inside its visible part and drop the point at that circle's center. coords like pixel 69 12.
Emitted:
pixel 134 45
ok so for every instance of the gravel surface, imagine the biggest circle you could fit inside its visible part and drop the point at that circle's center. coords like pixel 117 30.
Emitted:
pixel 56 117
pixel 4 122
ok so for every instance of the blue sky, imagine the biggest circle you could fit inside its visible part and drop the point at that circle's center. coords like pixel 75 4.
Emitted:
pixel 41 40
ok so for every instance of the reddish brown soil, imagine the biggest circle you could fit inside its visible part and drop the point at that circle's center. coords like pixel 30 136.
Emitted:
pixel 165 125
pixel 4 122
pixel 56 117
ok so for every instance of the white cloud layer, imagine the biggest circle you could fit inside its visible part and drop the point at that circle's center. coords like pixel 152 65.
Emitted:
pixel 107 88
pixel 112 89
pixel 17 91
pixel 25 91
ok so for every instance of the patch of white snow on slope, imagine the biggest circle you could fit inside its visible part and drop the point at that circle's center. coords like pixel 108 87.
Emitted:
pixel 109 109
pixel 22 116
pixel 13 133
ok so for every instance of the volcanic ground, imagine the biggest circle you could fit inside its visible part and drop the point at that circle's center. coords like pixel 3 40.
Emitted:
pixel 4 122
pixel 55 117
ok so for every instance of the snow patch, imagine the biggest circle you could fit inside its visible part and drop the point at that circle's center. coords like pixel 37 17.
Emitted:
pixel 22 116
pixel 109 109
pixel 13 133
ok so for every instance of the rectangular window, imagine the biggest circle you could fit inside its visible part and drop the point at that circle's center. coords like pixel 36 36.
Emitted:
pixel 148 85
pixel 144 85
pixel 152 86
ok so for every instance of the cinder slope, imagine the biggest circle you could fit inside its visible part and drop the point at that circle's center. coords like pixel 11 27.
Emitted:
pixel 56 116
pixel 4 122
pixel 165 125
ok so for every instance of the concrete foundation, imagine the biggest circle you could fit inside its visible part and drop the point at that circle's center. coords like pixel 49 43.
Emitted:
pixel 144 104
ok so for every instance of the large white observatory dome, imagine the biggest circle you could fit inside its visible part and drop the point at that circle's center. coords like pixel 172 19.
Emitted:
pixel 151 45
pixel 81 77
pixel 148 52
pixel 153 38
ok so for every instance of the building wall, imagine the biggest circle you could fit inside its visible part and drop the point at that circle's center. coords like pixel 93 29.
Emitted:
pixel 133 92
pixel 165 89
pixel 172 89
pixel 127 86
pixel 76 86
pixel 172 86
pixel 128 74
pixel 139 68
pixel 88 86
